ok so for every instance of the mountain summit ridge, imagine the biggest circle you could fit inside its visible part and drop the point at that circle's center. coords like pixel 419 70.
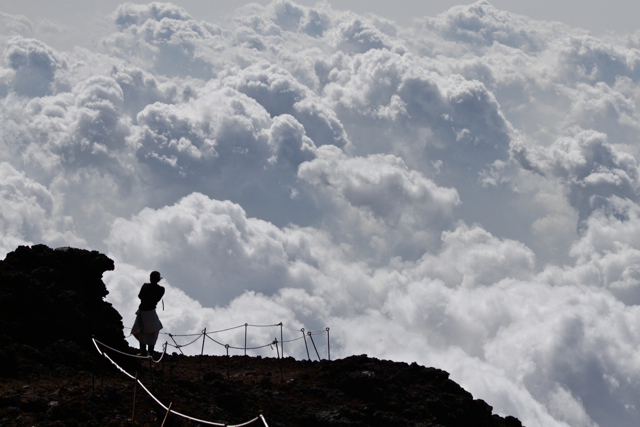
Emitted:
pixel 51 304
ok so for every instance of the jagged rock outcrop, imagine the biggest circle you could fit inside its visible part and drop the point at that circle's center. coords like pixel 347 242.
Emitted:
pixel 52 302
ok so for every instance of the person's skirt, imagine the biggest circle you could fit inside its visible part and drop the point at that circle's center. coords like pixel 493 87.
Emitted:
pixel 146 327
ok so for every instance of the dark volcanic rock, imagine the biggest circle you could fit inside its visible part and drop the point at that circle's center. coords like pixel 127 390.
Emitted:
pixel 401 393
pixel 52 301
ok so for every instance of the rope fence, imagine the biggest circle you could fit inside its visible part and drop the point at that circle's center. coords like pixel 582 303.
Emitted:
pixel 204 335
pixel 164 351
pixel 168 408
pixel 207 335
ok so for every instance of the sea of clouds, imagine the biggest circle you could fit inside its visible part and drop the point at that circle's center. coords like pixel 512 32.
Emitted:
pixel 464 192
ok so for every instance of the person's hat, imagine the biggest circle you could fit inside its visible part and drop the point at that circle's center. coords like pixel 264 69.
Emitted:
pixel 155 275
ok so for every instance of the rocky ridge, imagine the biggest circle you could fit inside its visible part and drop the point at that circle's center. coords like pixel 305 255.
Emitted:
pixel 52 303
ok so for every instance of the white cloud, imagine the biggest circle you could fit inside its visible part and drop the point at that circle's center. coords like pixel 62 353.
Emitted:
pixel 140 88
pixel 592 60
pixel 591 169
pixel 472 257
pixel 376 205
pixel 604 109
pixel 30 213
pixel 358 37
pixel 462 193
pixel 227 253
pixel 15 25
pixel 280 93
pixel 482 24
pixel 35 66
pixel 167 36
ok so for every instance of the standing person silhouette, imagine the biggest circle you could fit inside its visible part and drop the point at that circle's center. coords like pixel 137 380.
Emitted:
pixel 147 325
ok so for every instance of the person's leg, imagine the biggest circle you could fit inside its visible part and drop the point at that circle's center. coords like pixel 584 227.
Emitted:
pixel 152 342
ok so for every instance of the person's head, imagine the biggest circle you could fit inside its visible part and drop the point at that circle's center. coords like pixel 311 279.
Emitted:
pixel 155 277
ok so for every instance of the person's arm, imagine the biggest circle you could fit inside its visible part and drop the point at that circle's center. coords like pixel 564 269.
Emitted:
pixel 142 291
pixel 158 293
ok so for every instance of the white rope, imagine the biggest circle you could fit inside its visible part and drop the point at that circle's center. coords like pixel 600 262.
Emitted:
pixel 263 326
pixel 324 331
pixel 134 355
pixel 171 410
pixel 198 336
pixel 225 330
pixel 188 344
pixel 238 348
pixel 294 339
pixel 164 351
pixel 184 335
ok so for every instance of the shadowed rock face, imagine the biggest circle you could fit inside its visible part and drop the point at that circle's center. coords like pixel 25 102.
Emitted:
pixel 51 296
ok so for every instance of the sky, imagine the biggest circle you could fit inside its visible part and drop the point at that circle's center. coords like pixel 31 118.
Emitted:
pixel 456 185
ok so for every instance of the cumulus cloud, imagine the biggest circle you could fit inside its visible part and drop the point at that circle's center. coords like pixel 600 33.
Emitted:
pixel 218 241
pixel 167 36
pixel 472 257
pixel 280 93
pixel 482 24
pixel 14 25
pixel 359 37
pixel 140 88
pixel 35 65
pixel 602 108
pixel 590 167
pixel 390 102
pixel 593 60
pixel 225 144
pixel 462 193
pixel 378 205
pixel 30 213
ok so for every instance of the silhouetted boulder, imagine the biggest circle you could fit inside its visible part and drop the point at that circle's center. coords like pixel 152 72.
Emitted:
pixel 53 301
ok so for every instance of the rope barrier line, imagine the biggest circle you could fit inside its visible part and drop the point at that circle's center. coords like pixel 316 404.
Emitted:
pixel 237 348
pixel 245 348
pixel 263 326
pixel 216 341
pixel 317 333
pixel 184 335
pixel 225 330
pixel 251 348
pixel 179 346
pixel 236 327
pixel 248 348
pixel 185 345
pixel 135 355
pixel 164 333
pixel 168 409
pixel 293 339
